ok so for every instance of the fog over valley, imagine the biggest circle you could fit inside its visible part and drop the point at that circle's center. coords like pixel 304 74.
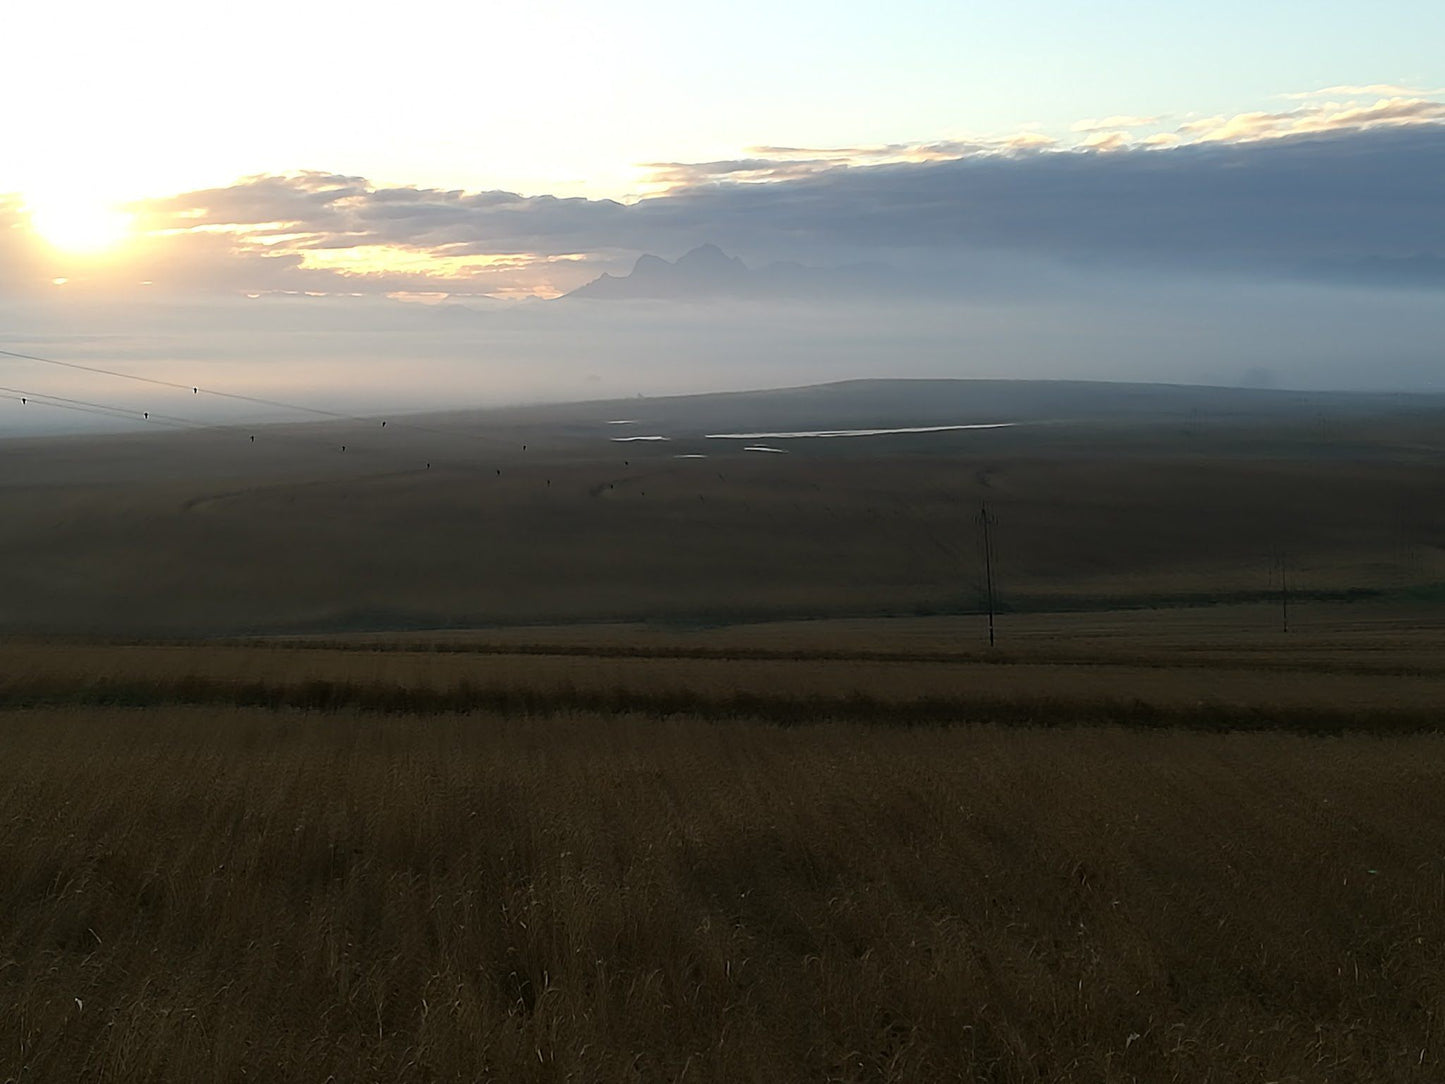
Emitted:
pixel 375 354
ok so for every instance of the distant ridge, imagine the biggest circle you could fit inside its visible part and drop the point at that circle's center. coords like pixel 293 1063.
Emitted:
pixel 709 273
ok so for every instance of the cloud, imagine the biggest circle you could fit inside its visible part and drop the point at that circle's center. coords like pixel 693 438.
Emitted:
pixel 311 210
pixel 1277 206
pixel 1102 140
pixel 1328 117
pixel 772 164
pixel 1239 195
pixel 687 174
pixel 1345 191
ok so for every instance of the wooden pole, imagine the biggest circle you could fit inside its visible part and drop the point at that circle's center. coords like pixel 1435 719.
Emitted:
pixel 985 520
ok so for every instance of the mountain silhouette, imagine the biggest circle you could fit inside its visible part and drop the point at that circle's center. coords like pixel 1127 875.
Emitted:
pixel 707 272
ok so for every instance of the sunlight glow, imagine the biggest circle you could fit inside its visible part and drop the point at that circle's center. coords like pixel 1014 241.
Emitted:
pixel 78 225
pixel 404 260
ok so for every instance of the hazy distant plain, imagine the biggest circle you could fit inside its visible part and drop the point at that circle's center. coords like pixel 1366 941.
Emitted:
pixel 1104 495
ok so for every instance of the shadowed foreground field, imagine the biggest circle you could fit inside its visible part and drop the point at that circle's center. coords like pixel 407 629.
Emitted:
pixel 214 893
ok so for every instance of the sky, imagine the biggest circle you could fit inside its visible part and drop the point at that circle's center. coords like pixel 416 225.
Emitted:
pixel 159 96
pixel 176 174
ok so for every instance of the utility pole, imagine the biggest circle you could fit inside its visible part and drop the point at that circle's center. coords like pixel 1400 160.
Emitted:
pixel 985 521
pixel 1283 592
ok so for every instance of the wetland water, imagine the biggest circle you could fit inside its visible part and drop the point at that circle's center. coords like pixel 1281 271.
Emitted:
pixel 809 433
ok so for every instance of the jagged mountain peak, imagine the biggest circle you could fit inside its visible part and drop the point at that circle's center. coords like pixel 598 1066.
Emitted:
pixel 707 272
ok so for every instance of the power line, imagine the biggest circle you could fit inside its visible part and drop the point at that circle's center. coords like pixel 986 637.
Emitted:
pixel 192 388
pixel 196 389
pixel 46 401
pixel 129 413
pixel 135 414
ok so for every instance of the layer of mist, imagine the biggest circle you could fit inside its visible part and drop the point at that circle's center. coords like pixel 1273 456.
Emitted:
pixel 370 355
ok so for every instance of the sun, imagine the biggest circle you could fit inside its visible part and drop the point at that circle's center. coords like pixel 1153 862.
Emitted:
pixel 78 225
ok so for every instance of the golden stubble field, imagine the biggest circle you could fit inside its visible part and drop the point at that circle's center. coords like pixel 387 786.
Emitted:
pixel 1128 847
pixel 226 894
pixel 1337 663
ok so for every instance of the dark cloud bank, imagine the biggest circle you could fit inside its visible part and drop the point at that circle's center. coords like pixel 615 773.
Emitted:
pixel 1356 206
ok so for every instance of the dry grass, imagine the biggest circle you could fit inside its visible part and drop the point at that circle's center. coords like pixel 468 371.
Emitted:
pixel 1347 637
pixel 222 894
pixel 827 676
